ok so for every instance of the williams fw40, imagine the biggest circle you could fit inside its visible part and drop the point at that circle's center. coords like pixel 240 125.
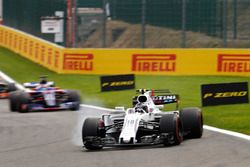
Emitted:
pixel 43 97
pixel 6 88
pixel 144 124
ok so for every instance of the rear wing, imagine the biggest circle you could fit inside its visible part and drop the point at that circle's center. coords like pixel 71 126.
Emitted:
pixel 36 84
pixel 30 84
pixel 142 91
pixel 164 96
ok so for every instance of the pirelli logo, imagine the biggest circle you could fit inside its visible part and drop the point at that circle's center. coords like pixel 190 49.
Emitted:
pixel 82 62
pixel 233 63
pixel 154 62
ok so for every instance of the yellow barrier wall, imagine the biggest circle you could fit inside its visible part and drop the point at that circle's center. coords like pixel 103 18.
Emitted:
pixel 40 51
pixel 125 61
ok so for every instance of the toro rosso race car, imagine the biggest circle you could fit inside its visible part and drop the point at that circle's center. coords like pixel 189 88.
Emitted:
pixel 43 96
pixel 144 124
pixel 6 88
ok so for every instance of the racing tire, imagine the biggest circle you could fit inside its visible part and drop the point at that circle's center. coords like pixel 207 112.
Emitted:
pixel 11 87
pixel 14 100
pixel 74 96
pixel 192 121
pixel 91 128
pixel 24 101
pixel 171 124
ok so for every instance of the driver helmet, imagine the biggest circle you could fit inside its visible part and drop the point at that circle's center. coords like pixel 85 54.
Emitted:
pixel 43 80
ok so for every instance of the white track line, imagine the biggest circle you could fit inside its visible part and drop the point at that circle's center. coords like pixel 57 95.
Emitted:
pixel 227 132
pixel 96 107
pixel 10 80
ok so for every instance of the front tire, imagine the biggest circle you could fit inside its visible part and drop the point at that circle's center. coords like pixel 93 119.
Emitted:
pixel 91 128
pixel 171 124
pixel 24 101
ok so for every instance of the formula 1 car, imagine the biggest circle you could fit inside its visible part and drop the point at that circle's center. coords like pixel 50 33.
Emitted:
pixel 43 97
pixel 144 124
pixel 6 88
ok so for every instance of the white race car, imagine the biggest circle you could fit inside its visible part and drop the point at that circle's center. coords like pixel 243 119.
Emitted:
pixel 144 124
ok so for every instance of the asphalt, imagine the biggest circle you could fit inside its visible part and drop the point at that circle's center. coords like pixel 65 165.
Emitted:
pixel 52 139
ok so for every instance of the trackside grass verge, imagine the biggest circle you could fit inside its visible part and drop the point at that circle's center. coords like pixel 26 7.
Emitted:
pixel 230 117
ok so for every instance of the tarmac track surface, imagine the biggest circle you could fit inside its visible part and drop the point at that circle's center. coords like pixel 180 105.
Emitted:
pixel 52 139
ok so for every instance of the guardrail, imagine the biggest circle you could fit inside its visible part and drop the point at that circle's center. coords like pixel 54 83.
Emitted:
pixel 124 61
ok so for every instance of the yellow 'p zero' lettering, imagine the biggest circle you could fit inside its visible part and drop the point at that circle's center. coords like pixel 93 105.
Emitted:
pixel 207 95
pixel 242 93
pixel 230 94
pixel 218 95
pixel 105 84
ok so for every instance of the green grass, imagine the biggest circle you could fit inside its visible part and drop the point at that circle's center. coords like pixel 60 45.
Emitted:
pixel 231 117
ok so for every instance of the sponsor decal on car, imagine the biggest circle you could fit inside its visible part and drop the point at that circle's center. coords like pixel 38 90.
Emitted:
pixel 82 62
pixel 154 62
pixel 165 99
pixel 233 63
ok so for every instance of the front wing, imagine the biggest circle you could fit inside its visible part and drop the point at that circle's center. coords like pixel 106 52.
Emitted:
pixel 41 107
pixel 111 142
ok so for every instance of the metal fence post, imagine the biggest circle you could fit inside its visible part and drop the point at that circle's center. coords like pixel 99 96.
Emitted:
pixel 114 9
pixel 235 17
pixel 68 31
pixel 183 40
pixel 75 23
pixel 104 24
pixel 225 23
pixel 143 23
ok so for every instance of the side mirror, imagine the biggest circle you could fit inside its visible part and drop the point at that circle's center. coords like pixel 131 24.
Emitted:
pixel 120 108
pixel 159 106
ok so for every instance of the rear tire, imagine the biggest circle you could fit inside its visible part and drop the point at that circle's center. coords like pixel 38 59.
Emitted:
pixel 11 87
pixel 24 101
pixel 91 128
pixel 171 124
pixel 74 96
pixel 192 121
